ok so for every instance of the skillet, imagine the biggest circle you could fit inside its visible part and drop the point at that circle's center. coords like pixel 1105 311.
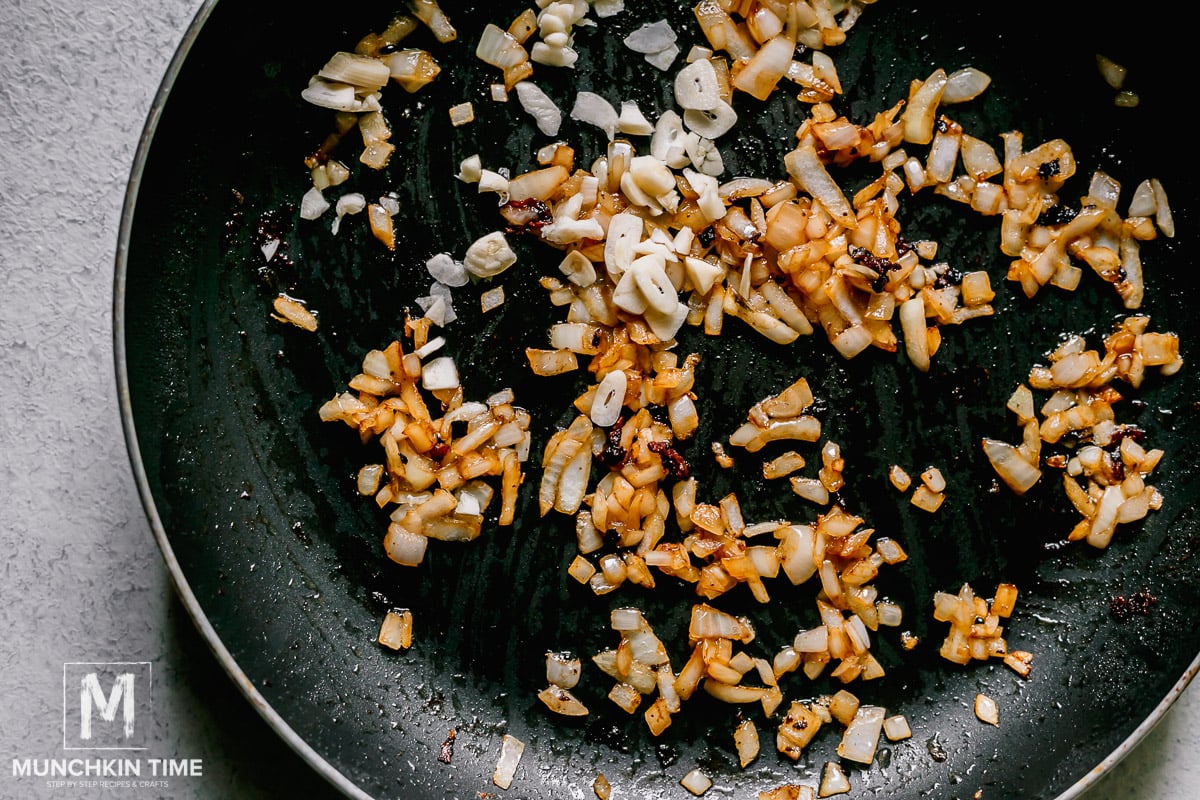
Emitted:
pixel 279 562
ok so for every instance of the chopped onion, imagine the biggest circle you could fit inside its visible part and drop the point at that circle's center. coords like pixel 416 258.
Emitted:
pixel 440 373
pixel 986 709
pixel 445 270
pixel 489 255
pixel 964 84
pixel 595 110
pixel 652 37
pixel 539 106
pixel 511 750
pixel 696 782
pixel 861 738
pixel 833 780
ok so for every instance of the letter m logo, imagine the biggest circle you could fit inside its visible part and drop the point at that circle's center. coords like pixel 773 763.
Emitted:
pixel 91 695
pixel 106 706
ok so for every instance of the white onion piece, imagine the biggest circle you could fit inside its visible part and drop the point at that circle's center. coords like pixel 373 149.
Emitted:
pixel 430 347
pixel 511 750
pixel 632 121
pixel 1143 203
pixel 539 106
pixel 986 709
pixel 489 255
pixel 805 167
pixel 595 110
pixel 607 8
pixel 313 204
pixel 833 780
pixel 965 84
pixel 445 270
pixel 696 782
pixel 404 547
pixel 440 373
pixel 696 87
pixel 861 738
pixel 796 552
pixel 561 701
pixel 916 339
pixel 663 59
pixel 919 116
pixel 762 72
pixel 653 37
pixel 1011 466
pixel 573 483
pixel 710 623
pixel 711 123
pixel 609 399
pixel 1163 217
pixel 499 48
pixel 745 740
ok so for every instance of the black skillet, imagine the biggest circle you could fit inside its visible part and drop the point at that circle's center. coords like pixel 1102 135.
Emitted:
pixel 280 562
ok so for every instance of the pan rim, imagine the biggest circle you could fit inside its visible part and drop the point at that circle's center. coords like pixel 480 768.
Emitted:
pixel 182 587
pixel 179 581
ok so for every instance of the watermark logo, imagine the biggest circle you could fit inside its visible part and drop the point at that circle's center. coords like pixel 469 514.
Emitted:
pixel 107 705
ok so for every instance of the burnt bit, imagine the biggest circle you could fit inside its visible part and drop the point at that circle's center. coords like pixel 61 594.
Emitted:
pixel 526 216
pixel 613 454
pixel 1056 214
pixel 446 752
pixel 951 277
pixel 1048 169
pixel 675 464
pixel 707 236
pixel 1123 608
pixel 864 257
pixel 659 413
pixel 936 751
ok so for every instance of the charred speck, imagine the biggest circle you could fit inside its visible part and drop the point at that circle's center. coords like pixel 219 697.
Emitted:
pixel 667 755
pixel 707 236
pixel 446 753
pixel 936 751
pixel 1123 608
pixel 526 215
pixel 866 258
pixel 613 454
pixel 1057 214
pixel 951 277
pixel 1048 169
pixel 942 125
pixel 675 464
pixel 274 224
pixel 659 413
pixel 964 384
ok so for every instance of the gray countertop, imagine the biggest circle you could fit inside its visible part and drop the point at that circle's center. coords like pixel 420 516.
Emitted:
pixel 83 580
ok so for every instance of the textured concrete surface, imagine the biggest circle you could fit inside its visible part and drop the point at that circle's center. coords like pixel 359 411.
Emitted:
pixel 82 579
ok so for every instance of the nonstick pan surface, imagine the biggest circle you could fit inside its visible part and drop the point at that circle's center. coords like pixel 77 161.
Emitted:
pixel 280 562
